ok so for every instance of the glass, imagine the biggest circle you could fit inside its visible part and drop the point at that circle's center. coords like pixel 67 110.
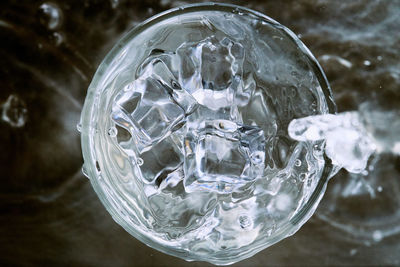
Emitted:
pixel 234 220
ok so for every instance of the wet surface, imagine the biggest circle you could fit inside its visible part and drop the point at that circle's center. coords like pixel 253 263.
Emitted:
pixel 49 51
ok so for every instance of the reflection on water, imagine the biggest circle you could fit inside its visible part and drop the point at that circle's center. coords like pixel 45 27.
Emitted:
pixel 49 52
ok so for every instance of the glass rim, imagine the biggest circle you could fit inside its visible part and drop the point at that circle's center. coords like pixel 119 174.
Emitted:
pixel 89 108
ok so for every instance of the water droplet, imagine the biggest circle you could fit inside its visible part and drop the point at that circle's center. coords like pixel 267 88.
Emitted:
pixel 302 177
pixel 371 168
pixel 379 58
pixel 114 3
pixel 128 87
pixel 150 11
pixel 269 232
pixel 244 221
pixel 85 171
pixel 353 252
pixel 297 162
pixel 112 131
pixel 377 236
pixel 14 112
pixel 139 161
pixel 57 38
pixel 367 62
pixel 51 16
pixel 165 2
pixel 380 189
pixel 79 127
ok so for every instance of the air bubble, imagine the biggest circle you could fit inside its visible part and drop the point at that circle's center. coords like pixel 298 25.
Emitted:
pixel 112 131
pixel 297 162
pixel 79 127
pixel 139 161
pixel 98 166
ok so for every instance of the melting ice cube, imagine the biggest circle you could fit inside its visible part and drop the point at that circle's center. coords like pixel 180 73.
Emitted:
pixel 221 156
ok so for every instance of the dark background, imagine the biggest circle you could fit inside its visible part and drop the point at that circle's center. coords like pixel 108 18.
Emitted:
pixel 49 214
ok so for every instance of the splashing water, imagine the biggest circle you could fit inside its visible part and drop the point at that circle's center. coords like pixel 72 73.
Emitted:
pixel 365 143
pixel 351 137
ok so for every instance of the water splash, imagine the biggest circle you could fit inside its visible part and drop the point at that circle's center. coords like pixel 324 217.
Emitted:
pixel 348 143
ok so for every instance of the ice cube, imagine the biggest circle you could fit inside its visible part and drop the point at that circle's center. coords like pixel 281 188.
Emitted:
pixel 221 155
pixel 197 119
pixel 154 104
pixel 147 112
pixel 161 69
pixel 212 72
pixel 163 159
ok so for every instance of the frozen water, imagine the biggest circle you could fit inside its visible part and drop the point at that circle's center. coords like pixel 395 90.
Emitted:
pixel 221 155
pixel 147 112
pixel 164 158
pixel 161 69
pixel 212 72
pixel 151 106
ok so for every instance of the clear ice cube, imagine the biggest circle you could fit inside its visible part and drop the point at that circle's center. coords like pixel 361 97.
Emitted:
pixel 162 69
pixel 163 159
pixel 153 105
pixel 221 156
pixel 212 72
